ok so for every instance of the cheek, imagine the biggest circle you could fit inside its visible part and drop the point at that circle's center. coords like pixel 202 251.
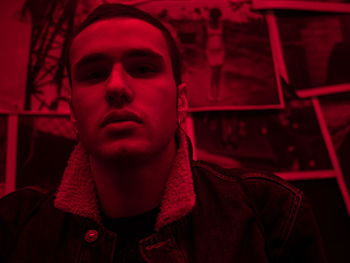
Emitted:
pixel 162 97
pixel 164 108
pixel 84 109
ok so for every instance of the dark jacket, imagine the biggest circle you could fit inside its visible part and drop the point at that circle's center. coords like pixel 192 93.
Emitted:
pixel 238 216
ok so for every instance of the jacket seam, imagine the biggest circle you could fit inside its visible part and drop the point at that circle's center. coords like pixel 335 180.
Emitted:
pixel 34 189
pixel 261 176
pixel 297 196
pixel 142 248
pixel 215 172
pixel 143 254
pixel 250 175
pixel 255 210
pixel 290 222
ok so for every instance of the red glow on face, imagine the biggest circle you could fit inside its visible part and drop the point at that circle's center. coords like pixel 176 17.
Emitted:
pixel 122 75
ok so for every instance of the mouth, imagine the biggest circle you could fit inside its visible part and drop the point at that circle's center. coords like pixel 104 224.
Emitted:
pixel 121 116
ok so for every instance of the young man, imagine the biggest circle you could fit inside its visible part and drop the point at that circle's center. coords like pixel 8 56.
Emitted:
pixel 131 192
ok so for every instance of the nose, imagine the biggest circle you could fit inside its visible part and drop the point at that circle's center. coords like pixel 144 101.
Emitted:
pixel 118 92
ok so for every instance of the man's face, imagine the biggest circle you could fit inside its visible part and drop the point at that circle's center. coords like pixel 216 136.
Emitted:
pixel 123 91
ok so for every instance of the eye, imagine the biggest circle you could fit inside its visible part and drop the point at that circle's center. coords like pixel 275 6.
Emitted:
pixel 97 75
pixel 93 75
pixel 142 66
pixel 142 70
pixel 92 70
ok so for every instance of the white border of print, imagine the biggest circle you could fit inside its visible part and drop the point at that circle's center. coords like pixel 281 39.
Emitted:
pixel 301 6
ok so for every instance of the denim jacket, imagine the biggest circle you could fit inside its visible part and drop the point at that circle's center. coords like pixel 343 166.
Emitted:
pixel 207 214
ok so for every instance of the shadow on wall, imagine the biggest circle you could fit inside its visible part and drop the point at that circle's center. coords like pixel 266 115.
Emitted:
pixel 42 156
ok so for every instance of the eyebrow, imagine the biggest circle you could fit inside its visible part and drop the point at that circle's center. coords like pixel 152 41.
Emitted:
pixel 90 59
pixel 133 53
pixel 143 53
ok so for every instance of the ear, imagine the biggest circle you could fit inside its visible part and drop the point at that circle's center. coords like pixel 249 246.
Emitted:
pixel 182 103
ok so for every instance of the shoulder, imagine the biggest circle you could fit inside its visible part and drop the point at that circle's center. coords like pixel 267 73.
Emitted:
pixel 19 205
pixel 23 198
pixel 282 211
pixel 272 199
pixel 257 181
pixel 16 206
pixel 15 209
pixel 266 193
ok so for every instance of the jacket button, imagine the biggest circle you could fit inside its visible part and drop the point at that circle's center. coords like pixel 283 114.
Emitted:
pixel 91 235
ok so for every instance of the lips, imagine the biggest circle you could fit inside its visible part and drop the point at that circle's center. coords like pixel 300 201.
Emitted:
pixel 120 116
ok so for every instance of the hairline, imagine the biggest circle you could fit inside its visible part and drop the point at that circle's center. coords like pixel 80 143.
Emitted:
pixel 172 48
pixel 121 17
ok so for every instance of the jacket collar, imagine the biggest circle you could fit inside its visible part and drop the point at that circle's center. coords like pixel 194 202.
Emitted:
pixel 77 194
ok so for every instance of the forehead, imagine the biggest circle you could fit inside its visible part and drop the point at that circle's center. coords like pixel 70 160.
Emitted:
pixel 116 36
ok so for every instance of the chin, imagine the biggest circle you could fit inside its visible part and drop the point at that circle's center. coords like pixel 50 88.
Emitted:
pixel 122 152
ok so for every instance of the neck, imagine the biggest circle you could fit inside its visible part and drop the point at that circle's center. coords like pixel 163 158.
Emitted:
pixel 128 190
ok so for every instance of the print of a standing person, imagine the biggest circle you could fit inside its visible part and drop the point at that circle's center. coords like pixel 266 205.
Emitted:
pixel 214 50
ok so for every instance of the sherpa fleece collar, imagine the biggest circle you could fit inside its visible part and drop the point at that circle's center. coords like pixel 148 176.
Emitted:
pixel 77 194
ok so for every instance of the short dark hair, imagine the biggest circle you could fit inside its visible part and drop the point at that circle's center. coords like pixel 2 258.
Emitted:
pixel 108 11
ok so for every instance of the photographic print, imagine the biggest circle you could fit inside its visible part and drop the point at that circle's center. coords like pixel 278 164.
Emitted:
pixel 316 51
pixel 336 111
pixel 284 141
pixel 227 58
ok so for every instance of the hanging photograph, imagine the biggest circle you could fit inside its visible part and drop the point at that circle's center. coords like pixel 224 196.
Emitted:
pixel 227 58
pixel 316 51
pixel 336 111
pixel 285 141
